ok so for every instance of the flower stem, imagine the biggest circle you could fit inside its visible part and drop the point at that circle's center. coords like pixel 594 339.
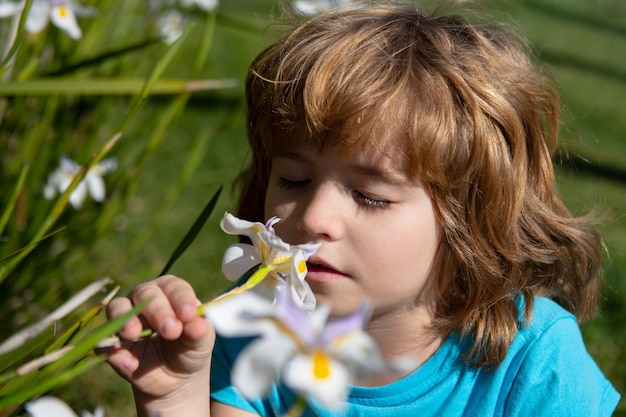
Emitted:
pixel 256 278
pixel 296 409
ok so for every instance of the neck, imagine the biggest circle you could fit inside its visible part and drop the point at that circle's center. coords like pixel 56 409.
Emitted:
pixel 402 336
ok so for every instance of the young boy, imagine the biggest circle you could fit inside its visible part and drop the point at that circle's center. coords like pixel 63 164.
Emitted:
pixel 415 148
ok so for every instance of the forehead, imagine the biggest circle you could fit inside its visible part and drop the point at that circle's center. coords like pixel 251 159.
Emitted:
pixel 374 143
pixel 366 156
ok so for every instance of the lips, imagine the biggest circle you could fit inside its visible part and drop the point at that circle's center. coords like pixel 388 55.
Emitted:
pixel 319 270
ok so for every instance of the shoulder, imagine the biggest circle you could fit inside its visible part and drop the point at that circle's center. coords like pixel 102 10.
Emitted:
pixel 549 368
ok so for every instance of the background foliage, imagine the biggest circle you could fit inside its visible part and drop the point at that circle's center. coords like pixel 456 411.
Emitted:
pixel 178 148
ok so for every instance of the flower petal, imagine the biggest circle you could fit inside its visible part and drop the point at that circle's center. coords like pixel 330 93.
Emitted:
pixel 239 259
pixel 359 353
pixel 328 386
pixel 95 185
pixel 37 17
pixel 258 364
pixel 9 9
pixel 49 407
pixel 237 316
pixel 236 226
pixel 78 195
pixel 63 17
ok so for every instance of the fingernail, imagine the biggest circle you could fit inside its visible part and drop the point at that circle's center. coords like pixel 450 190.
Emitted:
pixel 129 364
pixel 167 325
pixel 184 310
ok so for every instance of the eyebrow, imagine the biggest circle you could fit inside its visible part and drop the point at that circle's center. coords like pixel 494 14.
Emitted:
pixel 370 171
pixel 373 171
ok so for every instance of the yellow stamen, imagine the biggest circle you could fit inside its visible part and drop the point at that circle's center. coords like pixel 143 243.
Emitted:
pixel 62 11
pixel 302 267
pixel 321 365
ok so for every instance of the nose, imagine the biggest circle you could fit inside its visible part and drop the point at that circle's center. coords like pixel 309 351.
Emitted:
pixel 321 214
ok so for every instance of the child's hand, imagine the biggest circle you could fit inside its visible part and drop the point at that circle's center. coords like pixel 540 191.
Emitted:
pixel 174 362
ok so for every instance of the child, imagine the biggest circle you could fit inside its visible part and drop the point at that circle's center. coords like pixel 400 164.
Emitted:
pixel 416 149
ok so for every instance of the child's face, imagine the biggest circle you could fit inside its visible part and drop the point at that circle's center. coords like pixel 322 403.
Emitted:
pixel 378 229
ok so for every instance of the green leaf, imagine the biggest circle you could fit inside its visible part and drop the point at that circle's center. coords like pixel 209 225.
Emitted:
pixel 32 347
pixel 25 387
pixel 17 41
pixel 103 57
pixel 79 328
pixel 193 231
pixel 108 86
pixel 147 88
pixel 33 244
pixel 10 207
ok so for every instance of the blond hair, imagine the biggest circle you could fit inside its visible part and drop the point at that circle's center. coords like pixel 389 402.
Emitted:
pixel 476 121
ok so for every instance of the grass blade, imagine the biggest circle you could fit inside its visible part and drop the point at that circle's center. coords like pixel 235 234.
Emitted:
pixel 8 210
pixel 17 41
pixel 193 231
pixel 19 338
pixel 111 86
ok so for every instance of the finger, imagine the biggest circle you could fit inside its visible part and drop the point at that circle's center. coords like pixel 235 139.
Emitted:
pixel 181 296
pixel 133 327
pixel 198 335
pixel 122 361
pixel 158 313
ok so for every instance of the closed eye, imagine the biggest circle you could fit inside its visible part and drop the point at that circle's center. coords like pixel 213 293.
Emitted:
pixel 288 184
pixel 369 203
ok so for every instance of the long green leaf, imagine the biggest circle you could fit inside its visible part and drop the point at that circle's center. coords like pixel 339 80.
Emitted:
pixel 17 41
pixel 77 330
pixel 19 338
pixel 104 56
pixel 32 347
pixel 108 87
pixel 18 389
pixel 28 392
pixel 193 231
pixel 33 244
pixel 147 88
pixel 10 207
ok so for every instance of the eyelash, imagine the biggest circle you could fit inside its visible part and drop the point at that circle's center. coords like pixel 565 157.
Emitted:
pixel 366 203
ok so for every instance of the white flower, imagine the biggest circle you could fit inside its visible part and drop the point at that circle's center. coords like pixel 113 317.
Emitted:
pixel 316 357
pixel 313 7
pixel 283 264
pixel 206 5
pixel 54 407
pixel 62 177
pixel 170 26
pixel 62 13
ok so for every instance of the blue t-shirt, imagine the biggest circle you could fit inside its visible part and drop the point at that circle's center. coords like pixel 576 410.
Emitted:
pixel 547 372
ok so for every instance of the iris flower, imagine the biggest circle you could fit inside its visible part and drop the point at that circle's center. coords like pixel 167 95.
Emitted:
pixel 92 183
pixel 315 357
pixel 54 407
pixel 279 264
pixel 62 13
pixel 170 26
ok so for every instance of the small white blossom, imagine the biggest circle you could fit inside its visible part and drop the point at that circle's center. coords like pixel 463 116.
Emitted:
pixel 313 7
pixel 54 407
pixel 206 5
pixel 170 26
pixel 92 183
pixel 62 13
